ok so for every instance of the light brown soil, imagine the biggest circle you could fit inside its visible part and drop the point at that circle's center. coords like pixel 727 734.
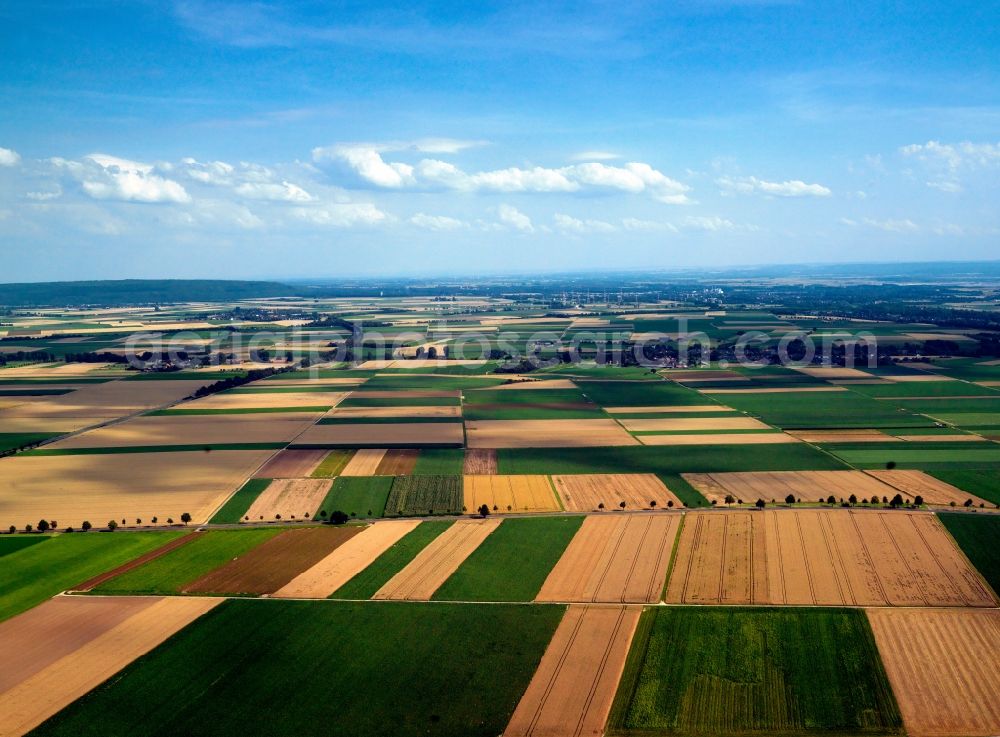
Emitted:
pixel 47 691
pixel 519 493
pixel 398 462
pixel 907 378
pixel 402 433
pixel 687 424
pixel 720 438
pixel 808 486
pixel 98 488
pixel 842 436
pixel 614 558
pixel 480 462
pixel 345 562
pixel 821 557
pixel 944 667
pixel 292 464
pixel 272 564
pixel 540 384
pixel 934 491
pixel 264 400
pixel 432 566
pixel 364 462
pixel 430 411
pixel 835 372
pixel 572 690
pixel 109 400
pixel 93 583
pixel 584 492
pixel 545 433
pixel 290 498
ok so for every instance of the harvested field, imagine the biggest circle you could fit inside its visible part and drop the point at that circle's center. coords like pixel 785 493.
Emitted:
pixel 822 557
pixel 480 462
pixel 721 438
pixel 289 499
pixel 397 462
pixel 509 493
pixel 364 462
pixel 48 690
pixel 346 561
pixel 422 495
pixel 843 436
pixel 102 487
pixel 108 400
pixel 435 563
pixel 361 435
pixel 584 492
pixel 944 666
pixel 664 409
pixel 804 485
pixel 292 464
pixel 904 378
pixel 614 559
pixel 917 483
pixel 407 411
pixel 572 690
pixel 254 400
pixel 271 565
pixel 191 430
pixel 688 424
pixel 834 372
pixel 546 433
pixel 539 384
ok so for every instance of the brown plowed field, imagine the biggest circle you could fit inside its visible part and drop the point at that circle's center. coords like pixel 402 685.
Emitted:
pixel 821 557
pixel 386 434
pixel 398 462
pixel 843 436
pixel 267 567
pixel 480 462
pixel 520 493
pixel 257 400
pixel 432 566
pixel 290 498
pixel 809 486
pixel 584 492
pixel 96 581
pixel 616 559
pixel 545 433
pixel 346 561
pixel 934 491
pixel 944 666
pixel 572 690
pixel 292 464
pixel 364 462
pixel 39 696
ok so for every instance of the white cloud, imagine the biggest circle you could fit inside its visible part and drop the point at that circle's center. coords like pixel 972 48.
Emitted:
pixel 45 196
pixel 955 155
pixel 9 157
pixel 946 186
pixel 283 192
pixel 368 163
pixel 711 223
pixel 513 217
pixel 648 225
pixel 536 179
pixel 105 177
pixel 594 156
pixel 568 223
pixel 436 222
pixel 904 225
pixel 790 188
pixel 341 215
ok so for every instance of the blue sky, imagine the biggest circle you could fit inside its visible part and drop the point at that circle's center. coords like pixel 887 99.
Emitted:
pixel 288 139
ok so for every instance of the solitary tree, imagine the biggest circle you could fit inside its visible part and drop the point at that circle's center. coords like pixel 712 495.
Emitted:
pixel 43 525
pixel 897 501
pixel 28 528
pixel 85 526
pixel 852 499
pixel 729 499
pixel 112 525
pixel 621 504
pixel 12 529
pixel 761 504
pixel 918 501
pixel 338 518
pixel 53 525
pixel 831 499
pixel 484 510
pixel 652 504
pixel 601 505
pixel 670 502
pixel 185 518
pixel 790 499
pixel 968 503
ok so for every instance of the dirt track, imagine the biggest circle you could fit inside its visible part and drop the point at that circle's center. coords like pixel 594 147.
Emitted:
pixel 615 559
pixel 572 690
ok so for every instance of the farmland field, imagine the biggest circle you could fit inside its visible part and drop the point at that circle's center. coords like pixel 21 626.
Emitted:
pixel 754 671
pixel 357 496
pixel 235 508
pixel 981 482
pixel 977 536
pixel 453 669
pixel 424 495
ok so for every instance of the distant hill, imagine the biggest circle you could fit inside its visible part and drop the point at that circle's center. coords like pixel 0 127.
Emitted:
pixel 137 292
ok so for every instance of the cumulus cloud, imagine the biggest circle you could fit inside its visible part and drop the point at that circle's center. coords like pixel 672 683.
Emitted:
pixel 9 157
pixel 510 215
pixel 948 160
pixel 276 192
pixel 710 223
pixel 789 188
pixel 341 214
pixel 436 222
pixel 574 225
pixel 105 177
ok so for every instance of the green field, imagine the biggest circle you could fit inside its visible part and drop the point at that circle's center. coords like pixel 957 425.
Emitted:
pixel 333 464
pixel 977 536
pixel 424 495
pixel 32 575
pixel 12 440
pixel 983 455
pixel 357 496
pixel 739 671
pixel 173 571
pixel 439 462
pixel 641 393
pixel 383 668
pixel 513 562
pixel 13 543
pixel 984 483
pixel 924 389
pixel 434 383
pixel 392 561
pixel 665 460
pixel 834 410
pixel 236 507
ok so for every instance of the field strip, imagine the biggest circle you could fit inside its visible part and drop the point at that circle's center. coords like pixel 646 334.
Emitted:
pixel 776 390
pixel 29 703
pixel 432 566
pixel 944 666
pixel 364 462
pixel 917 483
pixel 345 562
pixel 659 409
pixel 586 492
pixel 722 438
pixel 572 690
pixel 289 499
pixel 96 581
pixel 501 493
pixel 682 424
pixel 291 464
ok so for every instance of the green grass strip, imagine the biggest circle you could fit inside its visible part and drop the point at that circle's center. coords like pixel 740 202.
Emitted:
pixel 439 462
pixel 977 536
pixel 361 497
pixel 333 464
pixel 236 507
